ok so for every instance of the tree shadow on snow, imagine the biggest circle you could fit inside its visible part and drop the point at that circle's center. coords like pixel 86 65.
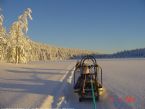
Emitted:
pixel 35 84
pixel 43 69
pixel 36 72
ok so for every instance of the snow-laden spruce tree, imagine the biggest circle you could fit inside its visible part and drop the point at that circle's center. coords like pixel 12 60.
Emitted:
pixel 3 38
pixel 19 44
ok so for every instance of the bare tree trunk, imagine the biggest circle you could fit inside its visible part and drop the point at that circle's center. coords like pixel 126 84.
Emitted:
pixel 16 59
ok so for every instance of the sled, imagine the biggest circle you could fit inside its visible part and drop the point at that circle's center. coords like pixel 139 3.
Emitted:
pixel 88 84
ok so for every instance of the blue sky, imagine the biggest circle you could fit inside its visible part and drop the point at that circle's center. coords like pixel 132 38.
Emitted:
pixel 102 25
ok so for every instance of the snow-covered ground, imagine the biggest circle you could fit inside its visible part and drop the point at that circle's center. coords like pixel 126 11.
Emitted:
pixel 28 85
pixel 124 82
pixel 50 84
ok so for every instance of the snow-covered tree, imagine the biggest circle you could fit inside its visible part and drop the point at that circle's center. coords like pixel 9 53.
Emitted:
pixel 16 47
pixel 19 48
pixel 3 38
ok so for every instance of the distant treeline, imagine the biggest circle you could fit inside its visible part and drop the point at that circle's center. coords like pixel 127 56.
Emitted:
pixel 136 53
